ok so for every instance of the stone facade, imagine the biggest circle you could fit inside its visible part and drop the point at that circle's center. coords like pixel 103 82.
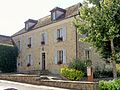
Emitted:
pixel 5 40
pixel 35 55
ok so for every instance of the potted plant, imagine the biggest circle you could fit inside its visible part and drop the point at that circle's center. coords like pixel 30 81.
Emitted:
pixel 28 64
pixel 59 62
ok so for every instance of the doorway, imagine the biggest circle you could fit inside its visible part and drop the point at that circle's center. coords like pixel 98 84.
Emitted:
pixel 43 61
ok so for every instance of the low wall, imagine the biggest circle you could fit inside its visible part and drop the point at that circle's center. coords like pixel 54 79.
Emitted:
pixel 80 85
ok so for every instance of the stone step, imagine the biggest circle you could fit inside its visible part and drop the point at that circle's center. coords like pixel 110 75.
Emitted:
pixel 44 72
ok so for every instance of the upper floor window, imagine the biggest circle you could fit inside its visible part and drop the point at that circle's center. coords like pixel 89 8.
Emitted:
pixel 44 38
pixel 53 16
pixel 29 42
pixel 57 13
pixel 84 35
pixel 30 23
pixel 87 54
pixel 60 34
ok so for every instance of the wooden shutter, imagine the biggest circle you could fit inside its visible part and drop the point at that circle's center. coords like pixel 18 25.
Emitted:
pixel 32 41
pixel 46 38
pixel 64 33
pixel 31 60
pixel 55 57
pixel 27 59
pixel 55 35
pixel 64 56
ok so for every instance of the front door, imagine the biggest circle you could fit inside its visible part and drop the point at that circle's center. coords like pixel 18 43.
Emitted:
pixel 43 61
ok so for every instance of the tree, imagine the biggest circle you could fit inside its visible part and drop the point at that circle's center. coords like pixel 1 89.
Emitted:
pixel 8 58
pixel 102 26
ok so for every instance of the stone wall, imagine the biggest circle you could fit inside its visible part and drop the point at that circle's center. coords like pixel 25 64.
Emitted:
pixel 78 85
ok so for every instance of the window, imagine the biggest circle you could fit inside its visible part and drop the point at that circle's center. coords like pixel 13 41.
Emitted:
pixel 29 63
pixel 29 24
pixel 57 13
pixel 19 45
pixel 60 57
pixel 43 39
pixel 87 54
pixel 53 15
pixel 29 42
pixel 19 64
pixel 84 35
pixel 59 35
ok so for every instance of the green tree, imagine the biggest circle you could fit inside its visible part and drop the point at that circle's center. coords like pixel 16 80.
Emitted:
pixel 101 23
pixel 8 58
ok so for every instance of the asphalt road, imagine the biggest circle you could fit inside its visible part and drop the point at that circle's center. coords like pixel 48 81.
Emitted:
pixel 21 86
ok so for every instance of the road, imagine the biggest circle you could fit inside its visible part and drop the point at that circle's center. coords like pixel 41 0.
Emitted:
pixel 21 86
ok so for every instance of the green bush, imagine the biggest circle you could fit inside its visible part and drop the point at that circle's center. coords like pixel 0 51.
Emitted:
pixel 8 58
pixel 109 85
pixel 71 74
pixel 79 65
pixel 101 73
pixel 118 70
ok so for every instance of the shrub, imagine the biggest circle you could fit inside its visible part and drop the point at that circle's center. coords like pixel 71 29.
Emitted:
pixel 8 58
pixel 109 85
pixel 79 65
pixel 71 74
pixel 100 73
pixel 118 70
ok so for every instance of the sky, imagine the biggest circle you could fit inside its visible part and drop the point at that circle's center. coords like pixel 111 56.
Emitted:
pixel 13 13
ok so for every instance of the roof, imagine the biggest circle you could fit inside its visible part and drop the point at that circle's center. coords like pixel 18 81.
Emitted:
pixel 5 40
pixel 70 11
pixel 58 8
pixel 30 20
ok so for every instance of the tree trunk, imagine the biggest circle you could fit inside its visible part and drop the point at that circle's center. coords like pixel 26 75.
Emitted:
pixel 113 59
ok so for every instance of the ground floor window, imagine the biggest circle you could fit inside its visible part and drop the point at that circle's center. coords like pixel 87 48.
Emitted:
pixel 29 61
pixel 60 56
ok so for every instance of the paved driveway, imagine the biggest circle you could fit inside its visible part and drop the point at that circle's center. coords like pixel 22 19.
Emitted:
pixel 21 86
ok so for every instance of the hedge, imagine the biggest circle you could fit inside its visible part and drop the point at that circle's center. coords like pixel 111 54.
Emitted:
pixel 109 85
pixel 8 58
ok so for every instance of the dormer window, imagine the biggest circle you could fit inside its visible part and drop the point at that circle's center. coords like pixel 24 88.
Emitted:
pixel 29 24
pixel 57 13
pixel 53 16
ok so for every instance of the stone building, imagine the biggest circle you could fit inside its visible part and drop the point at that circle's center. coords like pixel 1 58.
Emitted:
pixel 52 42
pixel 5 40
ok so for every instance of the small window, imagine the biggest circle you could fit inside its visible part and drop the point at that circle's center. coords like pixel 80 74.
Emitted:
pixel 60 57
pixel 19 45
pixel 19 64
pixel 59 35
pixel 87 54
pixel 29 42
pixel 43 39
pixel 53 16
pixel 29 60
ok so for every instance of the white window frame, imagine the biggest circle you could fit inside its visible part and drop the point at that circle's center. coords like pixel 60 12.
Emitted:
pixel 63 56
pixel 87 54
pixel 54 15
pixel 29 60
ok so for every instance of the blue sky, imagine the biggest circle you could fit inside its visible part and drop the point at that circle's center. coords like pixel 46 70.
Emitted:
pixel 13 13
